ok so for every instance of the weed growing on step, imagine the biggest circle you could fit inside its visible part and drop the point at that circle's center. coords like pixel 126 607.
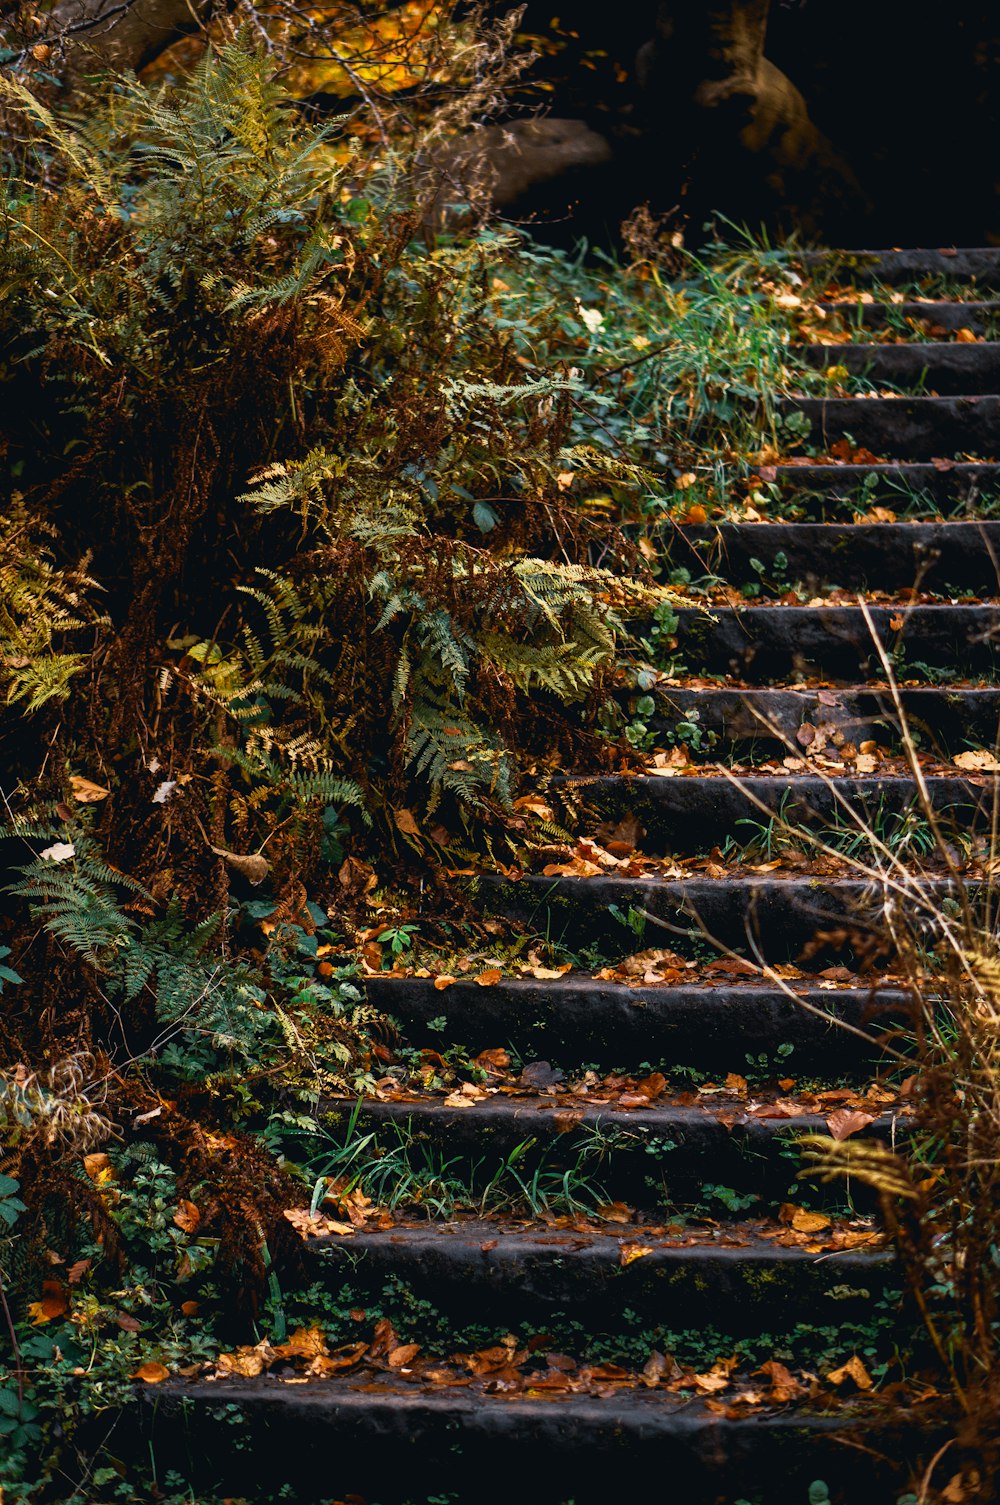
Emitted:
pixel 401 1171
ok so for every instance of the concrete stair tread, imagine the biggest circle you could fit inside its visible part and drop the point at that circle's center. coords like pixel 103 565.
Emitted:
pixel 391 1437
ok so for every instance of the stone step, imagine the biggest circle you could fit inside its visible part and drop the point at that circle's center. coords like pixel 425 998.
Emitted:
pixel 945 720
pixel 709 1023
pixel 906 428
pixel 979 264
pixel 982 316
pixel 943 368
pixel 766 642
pixel 947 487
pixel 487 1272
pixel 660 1157
pixel 780 912
pixel 936 556
pixel 691 813
pixel 395 1443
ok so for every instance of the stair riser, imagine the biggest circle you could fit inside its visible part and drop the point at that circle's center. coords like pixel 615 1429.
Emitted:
pixel 556 1282
pixel 687 816
pixel 834 642
pixel 616 1025
pixel 982 316
pixel 948 369
pixel 870 265
pixel 781 914
pixel 945 720
pixel 962 557
pixel 818 489
pixel 907 428
pixel 661 1159
pixel 322 1440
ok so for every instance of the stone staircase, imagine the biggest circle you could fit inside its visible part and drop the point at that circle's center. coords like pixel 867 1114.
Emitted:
pixel 678 1342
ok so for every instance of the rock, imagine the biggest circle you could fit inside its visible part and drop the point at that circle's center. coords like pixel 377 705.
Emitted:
pixel 502 165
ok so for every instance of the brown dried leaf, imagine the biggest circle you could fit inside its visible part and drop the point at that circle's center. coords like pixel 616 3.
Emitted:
pixel 847 1121
pixel 187 1217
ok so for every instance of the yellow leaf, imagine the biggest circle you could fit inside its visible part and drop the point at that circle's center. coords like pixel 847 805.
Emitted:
pixel 315 1224
pixel 977 760
pixel 99 1168
pixel 852 1370
pixel 632 1252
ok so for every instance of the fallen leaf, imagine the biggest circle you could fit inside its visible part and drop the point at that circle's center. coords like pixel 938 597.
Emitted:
pixel 489 978
pixel 978 760
pixel 629 1253
pixel 54 1303
pixel 406 822
pixel 252 866
pixel 151 1373
pixel 356 876
pixel 496 1060
pixel 801 1219
pixel 187 1217
pixel 616 1212
pixel 59 851
pixel 247 1363
pixel 98 1166
pixel 304 1343
pixel 784 1385
pixel 87 792
pixel 315 1224
pixel 847 1121
pixel 400 1357
pixel 445 980
pixel 853 1370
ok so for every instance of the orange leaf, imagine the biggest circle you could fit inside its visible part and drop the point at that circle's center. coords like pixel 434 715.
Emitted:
pixel 187 1217
pixel 151 1373
pixel 54 1303
pixel 400 1357
pixel 444 981
pixel 847 1121
pixel 489 978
